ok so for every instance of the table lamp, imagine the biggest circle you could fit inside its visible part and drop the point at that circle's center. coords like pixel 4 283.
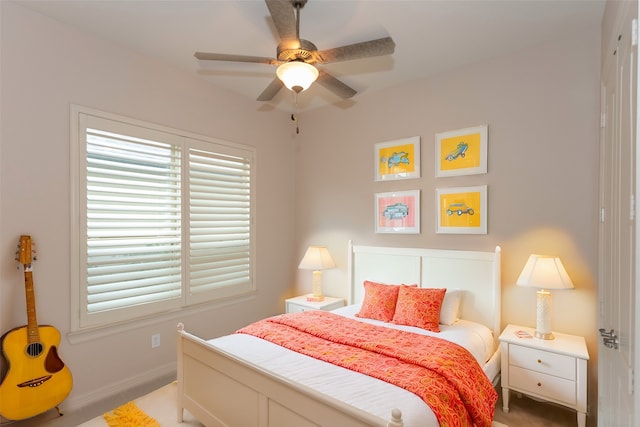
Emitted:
pixel 317 258
pixel 544 272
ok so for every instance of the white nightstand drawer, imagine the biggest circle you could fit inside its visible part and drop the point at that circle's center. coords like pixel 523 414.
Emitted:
pixel 298 304
pixel 296 308
pixel 555 364
pixel 548 386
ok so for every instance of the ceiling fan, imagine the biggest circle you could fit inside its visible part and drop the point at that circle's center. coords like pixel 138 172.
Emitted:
pixel 296 57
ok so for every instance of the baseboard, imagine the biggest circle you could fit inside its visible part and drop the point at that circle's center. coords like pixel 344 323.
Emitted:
pixel 158 376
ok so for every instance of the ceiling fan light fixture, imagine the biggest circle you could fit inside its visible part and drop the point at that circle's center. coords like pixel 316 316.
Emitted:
pixel 297 75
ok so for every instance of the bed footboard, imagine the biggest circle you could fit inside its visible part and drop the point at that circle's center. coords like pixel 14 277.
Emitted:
pixel 221 390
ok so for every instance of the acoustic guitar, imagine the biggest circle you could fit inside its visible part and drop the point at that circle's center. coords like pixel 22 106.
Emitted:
pixel 36 380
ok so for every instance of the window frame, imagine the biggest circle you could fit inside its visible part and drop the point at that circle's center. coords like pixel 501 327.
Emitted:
pixel 81 320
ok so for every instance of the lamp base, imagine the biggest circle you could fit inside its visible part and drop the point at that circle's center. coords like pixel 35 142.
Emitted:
pixel 317 287
pixel 543 320
pixel 544 336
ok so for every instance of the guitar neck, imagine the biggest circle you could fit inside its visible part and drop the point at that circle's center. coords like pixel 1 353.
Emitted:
pixel 33 335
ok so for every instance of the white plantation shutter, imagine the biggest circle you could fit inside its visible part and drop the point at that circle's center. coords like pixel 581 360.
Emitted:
pixel 165 220
pixel 133 221
pixel 220 222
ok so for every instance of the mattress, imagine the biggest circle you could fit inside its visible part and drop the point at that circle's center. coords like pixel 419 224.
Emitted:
pixel 349 386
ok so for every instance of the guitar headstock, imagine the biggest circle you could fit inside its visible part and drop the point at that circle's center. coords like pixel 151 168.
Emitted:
pixel 26 251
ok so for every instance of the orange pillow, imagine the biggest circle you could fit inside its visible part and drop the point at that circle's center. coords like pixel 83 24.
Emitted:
pixel 379 301
pixel 419 307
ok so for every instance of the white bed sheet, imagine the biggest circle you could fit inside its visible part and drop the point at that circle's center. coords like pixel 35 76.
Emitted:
pixel 359 390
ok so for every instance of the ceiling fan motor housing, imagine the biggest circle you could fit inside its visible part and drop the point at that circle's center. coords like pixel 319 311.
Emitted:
pixel 298 50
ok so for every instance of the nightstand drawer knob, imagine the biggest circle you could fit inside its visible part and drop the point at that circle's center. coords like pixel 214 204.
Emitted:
pixel 539 384
pixel 539 361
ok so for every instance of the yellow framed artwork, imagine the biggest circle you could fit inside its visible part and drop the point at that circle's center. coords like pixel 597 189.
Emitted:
pixel 462 210
pixel 398 159
pixel 462 152
pixel 398 212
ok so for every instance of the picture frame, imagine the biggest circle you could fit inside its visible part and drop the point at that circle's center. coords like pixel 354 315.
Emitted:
pixel 461 210
pixel 462 152
pixel 399 159
pixel 397 212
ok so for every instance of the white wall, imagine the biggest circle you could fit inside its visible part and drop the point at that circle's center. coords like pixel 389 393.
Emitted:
pixel 47 66
pixel 541 106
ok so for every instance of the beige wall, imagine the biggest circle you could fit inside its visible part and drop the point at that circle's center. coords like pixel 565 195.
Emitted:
pixel 47 66
pixel 541 106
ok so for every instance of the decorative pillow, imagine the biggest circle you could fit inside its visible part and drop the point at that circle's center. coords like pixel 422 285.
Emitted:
pixel 379 301
pixel 419 307
pixel 450 311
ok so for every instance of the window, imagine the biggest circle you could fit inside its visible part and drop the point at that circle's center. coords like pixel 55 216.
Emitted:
pixel 162 219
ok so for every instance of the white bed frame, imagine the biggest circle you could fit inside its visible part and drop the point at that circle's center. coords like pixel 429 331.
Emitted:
pixel 222 390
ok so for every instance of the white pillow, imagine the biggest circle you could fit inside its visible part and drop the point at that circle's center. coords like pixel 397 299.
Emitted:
pixel 449 312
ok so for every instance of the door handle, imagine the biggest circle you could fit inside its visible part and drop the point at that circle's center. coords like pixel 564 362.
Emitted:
pixel 610 339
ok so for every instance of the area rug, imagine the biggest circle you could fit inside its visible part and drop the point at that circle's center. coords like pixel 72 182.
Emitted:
pixel 129 415
pixel 160 405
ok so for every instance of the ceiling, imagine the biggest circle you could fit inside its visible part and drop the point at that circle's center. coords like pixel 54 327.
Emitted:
pixel 431 36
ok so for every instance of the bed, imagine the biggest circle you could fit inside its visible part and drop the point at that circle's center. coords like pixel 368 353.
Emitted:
pixel 243 381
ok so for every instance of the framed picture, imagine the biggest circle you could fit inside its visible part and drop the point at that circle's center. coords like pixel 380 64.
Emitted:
pixel 462 152
pixel 462 210
pixel 398 159
pixel 398 212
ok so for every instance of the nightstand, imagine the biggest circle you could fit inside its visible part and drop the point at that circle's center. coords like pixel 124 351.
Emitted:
pixel 294 305
pixel 551 370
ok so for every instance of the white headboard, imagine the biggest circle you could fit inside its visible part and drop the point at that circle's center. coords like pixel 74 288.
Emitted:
pixel 476 273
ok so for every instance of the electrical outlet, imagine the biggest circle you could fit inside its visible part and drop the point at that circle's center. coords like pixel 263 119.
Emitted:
pixel 155 340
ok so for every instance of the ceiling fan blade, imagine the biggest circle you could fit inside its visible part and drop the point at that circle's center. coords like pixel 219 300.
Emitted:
pixel 235 58
pixel 371 48
pixel 283 17
pixel 271 90
pixel 335 85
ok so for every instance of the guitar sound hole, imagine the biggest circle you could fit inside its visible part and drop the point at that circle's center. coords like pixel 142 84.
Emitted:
pixel 34 349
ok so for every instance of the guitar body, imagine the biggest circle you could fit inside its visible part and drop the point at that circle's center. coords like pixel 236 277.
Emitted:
pixel 37 379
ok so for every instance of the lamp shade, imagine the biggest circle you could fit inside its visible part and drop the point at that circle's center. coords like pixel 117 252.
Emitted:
pixel 317 258
pixel 297 75
pixel 545 272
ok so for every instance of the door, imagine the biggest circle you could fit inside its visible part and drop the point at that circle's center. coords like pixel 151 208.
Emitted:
pixel 617 243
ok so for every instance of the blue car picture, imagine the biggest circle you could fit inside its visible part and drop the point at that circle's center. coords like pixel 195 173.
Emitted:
pixel 459 208
pixel 458 152
pixel 396 211
pixel 398 158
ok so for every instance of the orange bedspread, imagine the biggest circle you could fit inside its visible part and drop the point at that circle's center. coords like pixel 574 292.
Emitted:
pixel 445 375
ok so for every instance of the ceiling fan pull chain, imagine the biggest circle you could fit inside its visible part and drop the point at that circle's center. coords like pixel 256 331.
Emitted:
pixel 294 117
